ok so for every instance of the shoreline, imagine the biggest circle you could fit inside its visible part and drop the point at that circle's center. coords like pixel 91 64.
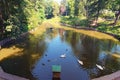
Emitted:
pixel 92 29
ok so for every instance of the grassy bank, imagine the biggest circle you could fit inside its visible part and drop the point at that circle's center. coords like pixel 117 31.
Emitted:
pixel 103 25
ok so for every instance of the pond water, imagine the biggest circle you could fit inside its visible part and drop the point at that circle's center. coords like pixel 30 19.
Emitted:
pixel 85 57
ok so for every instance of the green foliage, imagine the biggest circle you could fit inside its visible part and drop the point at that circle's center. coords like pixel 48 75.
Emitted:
pixel 51 9
pixel 71 6
pixel 107 14
pixel 113 5
pixel 92 10
pixel 36 13
pixel 55 6
pixel 48 10
pixel 104 27
pixel 21 15
pixel 95 7
pixel 74 21
pixel 76 6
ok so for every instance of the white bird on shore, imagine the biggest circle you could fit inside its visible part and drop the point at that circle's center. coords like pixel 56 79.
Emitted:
pixel 0 47
pixel 80 62
pixel 100 67
pixel 63 55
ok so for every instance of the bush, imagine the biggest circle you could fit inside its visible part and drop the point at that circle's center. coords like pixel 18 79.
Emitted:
pixel 74 21
pixel 107 14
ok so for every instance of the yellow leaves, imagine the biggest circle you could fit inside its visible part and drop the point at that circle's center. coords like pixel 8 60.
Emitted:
pixel 9 28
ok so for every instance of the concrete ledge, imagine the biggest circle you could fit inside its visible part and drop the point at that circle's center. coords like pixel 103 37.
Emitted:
pixel 6 76
pixel 113 76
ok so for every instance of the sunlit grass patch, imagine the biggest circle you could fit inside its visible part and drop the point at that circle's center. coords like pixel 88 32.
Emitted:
pixel 6 52
pixel 94 34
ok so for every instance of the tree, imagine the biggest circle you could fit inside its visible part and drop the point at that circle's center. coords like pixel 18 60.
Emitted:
pixel 97 6
pixel 94 8
pixel 115 6
pixel 76 7
pixel 117 15
pixel 71 6
pixel 21 15
pixel 48 8
pixel 55 7
pixel 83 8
pixel 1 25
pixel 63 7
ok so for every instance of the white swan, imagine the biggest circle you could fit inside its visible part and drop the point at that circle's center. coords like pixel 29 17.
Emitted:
pixel 80 62
pixel 0 47
pixel 63 55
pixel 100 67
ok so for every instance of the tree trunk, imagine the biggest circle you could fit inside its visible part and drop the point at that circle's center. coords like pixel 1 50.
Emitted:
pixel 1 24
pixel 117 17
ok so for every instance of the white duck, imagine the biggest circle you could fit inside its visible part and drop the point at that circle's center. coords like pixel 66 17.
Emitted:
pixel 63 55
pixel 100 67
pixel 0 47
pixel 80 62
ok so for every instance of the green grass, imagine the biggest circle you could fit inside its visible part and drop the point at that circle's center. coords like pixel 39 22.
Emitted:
pixel 74 21
pixel 105 27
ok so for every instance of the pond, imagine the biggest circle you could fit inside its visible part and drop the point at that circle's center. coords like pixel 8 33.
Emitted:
pixel 81 57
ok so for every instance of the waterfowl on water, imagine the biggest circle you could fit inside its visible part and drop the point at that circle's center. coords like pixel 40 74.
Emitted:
pixel 66 49
pixel 80 62
pixel 100 67
pixel 45 54
pixel 48 60
pixel 63 55
pixel 43 64
pixel 51 28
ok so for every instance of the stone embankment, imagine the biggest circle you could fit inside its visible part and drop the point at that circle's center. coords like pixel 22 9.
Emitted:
pixel 6 76
pixel 113 76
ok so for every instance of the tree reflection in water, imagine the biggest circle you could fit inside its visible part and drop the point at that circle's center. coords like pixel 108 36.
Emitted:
pixel 76 46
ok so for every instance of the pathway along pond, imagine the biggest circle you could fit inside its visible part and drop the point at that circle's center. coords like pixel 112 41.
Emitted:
pixel 39 53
